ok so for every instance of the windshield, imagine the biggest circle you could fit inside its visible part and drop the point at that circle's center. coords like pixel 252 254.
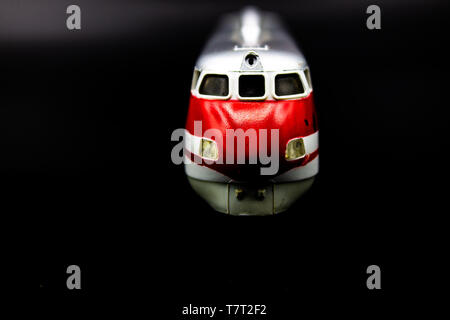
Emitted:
pixel 288 84
pixel 214 85
pixel 252 86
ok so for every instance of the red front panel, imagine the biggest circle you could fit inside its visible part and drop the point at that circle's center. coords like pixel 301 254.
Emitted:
pixel 293 118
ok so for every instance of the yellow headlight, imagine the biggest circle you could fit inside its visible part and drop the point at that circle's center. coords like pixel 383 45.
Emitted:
pixel 295 149
pixel 208 149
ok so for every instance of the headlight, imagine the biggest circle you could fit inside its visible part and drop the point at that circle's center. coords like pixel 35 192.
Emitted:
pixel 208 149
pixel 295 149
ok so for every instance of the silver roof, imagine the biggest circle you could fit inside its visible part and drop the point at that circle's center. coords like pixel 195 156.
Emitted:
pixel 250 32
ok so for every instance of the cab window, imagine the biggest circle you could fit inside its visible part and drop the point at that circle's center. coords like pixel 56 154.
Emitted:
pixel 252 86
pixel 214 85
pixel 288 84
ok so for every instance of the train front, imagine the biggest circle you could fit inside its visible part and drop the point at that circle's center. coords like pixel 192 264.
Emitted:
pixel 251 139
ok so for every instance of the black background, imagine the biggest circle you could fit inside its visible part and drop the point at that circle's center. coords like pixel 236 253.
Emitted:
pixel 86 119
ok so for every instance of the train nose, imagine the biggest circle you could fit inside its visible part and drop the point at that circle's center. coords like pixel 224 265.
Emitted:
pixel 251 199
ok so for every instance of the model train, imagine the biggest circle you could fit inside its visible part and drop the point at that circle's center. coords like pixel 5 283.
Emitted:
pixel 251 82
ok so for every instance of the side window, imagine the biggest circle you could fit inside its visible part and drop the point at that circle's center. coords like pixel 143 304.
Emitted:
pixel 195 79
pixel 214 85
pixel 308 77
pixel 288 84
pixel 252 86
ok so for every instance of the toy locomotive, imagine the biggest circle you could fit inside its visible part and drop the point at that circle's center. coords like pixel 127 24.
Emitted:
pixel 251 79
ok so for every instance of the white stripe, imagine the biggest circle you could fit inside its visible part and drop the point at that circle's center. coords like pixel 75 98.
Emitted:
pixel 200 172
pixel 311 142
pixel 192 143
pixel 295 174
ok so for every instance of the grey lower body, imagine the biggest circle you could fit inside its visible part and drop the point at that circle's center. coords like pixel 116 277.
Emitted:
pixel 265 198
